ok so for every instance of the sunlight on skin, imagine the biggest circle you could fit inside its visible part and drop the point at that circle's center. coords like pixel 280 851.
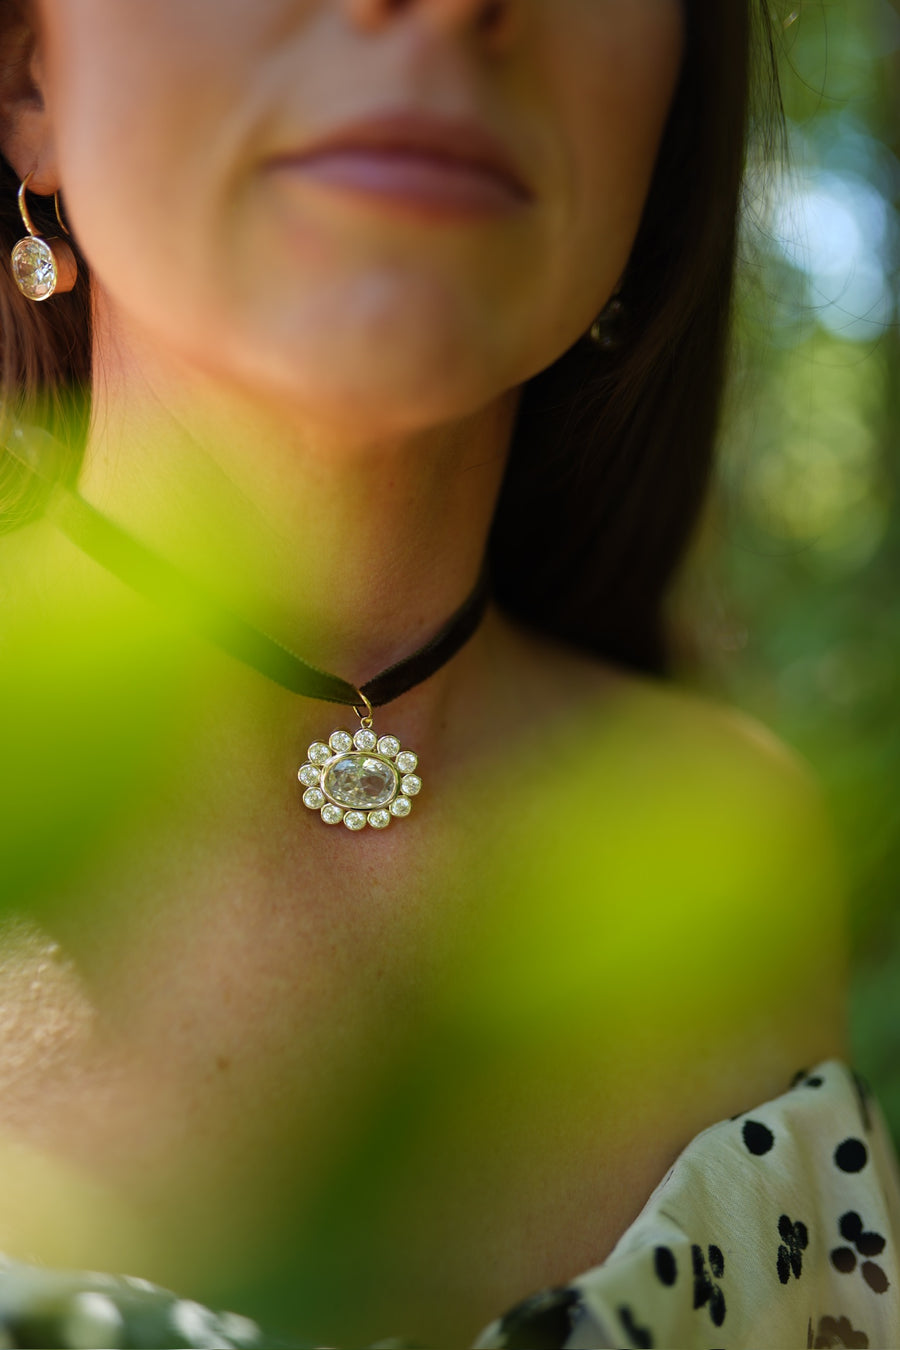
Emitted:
pixel 501 1006
pixel 58 1211
pixel 307 1077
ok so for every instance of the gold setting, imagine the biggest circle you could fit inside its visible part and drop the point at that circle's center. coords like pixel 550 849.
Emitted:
pixel 381 778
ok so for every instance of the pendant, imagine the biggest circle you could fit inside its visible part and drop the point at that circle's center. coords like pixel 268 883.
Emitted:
pixel 360 780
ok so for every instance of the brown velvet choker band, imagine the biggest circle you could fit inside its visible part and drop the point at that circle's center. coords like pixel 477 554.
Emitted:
pixel 352 779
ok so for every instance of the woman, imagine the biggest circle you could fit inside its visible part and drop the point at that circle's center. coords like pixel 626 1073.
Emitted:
pixel 346 263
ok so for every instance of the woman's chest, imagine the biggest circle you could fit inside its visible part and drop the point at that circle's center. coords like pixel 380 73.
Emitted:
pixel 300 1090
pixel 378 1097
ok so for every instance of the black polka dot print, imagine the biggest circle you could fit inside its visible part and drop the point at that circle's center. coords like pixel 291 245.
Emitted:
pixel 758 1138
pixel 641 1338
pixel 543 1322
pixel 665 1266
pixel 875 1277
pixel 851 1156
pixel 794 1242
pixel 851 1228
pixel 864 1243
pixel 708 1270
pixel 843 1259
pixel 837 1331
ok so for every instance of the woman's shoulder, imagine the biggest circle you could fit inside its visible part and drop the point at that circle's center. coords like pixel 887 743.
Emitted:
pixel 722 737
pixel 579 682
pixel 719 788
pixel 673 875
pixel 665 751
pixel 667 715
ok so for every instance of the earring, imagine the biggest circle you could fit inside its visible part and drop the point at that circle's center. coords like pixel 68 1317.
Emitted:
pixel 42 267
pixel 606 330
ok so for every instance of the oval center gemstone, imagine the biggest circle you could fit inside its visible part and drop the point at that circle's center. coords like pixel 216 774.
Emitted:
pixel 360 781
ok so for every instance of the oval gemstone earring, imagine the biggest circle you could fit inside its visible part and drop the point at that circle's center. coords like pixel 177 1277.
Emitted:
pixel 42 267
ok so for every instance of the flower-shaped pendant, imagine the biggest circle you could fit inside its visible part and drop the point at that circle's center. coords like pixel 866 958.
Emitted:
pixel 360 780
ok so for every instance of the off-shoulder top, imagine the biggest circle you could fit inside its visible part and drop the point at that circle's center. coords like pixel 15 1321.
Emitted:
pixel 777 1228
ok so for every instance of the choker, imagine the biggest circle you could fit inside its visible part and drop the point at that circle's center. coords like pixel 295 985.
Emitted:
pixel 356 779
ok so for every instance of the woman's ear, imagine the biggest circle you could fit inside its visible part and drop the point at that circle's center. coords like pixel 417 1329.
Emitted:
pixel 26 139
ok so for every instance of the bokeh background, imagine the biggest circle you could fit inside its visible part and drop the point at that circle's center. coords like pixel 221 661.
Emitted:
pixel 801 623
pixel 795 582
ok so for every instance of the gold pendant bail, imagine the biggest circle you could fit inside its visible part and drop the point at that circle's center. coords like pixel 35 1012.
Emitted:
pixel 366 718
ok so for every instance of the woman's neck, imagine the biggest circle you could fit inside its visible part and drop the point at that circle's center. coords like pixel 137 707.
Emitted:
pixel 352 548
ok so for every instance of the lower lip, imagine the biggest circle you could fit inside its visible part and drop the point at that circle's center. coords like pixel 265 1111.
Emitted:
pixel 421 185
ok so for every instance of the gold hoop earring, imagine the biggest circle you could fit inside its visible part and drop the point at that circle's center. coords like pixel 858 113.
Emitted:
pixel 42 267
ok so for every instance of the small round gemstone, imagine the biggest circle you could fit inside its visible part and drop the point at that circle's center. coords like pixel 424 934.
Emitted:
pixel 355 820
pixel 407 762
pixel 309 775
pixel 341 742
pixel 360 782
pixel 331 814
pixel 314 798
pixel 379 820
pixel 365 739
pixel 389 746
pixel 401 807
pixel 318 753
pixel 411 785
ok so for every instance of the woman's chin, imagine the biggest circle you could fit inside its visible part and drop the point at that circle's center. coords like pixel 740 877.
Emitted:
pixel 370 397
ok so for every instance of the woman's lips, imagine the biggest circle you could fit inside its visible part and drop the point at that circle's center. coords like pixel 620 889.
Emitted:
pixel 424 184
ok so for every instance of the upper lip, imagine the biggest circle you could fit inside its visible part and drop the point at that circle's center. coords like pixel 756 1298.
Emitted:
pixel 461 139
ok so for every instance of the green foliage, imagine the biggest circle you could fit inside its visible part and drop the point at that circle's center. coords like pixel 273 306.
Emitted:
pixel 804 631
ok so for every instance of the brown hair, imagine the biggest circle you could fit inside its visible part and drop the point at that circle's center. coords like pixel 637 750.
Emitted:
pixel 45 349
pixel 612 451
pixel 612 458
